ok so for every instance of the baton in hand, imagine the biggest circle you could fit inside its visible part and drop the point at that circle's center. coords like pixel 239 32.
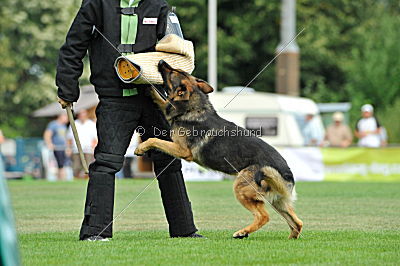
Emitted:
pixel 76 137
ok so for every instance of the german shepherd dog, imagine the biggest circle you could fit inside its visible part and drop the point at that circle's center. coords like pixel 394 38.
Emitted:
pixel 261 172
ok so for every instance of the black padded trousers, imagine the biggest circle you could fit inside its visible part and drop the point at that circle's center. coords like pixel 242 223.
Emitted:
pixel 117 118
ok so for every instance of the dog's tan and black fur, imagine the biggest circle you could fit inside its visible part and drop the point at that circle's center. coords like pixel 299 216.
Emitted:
pixel 261 171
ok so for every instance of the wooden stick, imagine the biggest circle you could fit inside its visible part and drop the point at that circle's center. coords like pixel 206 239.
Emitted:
pixel 76 137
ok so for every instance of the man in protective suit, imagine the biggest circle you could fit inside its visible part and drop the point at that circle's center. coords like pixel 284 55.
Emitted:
pixel 132 26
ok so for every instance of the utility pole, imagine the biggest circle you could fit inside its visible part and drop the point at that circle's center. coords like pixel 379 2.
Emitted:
pixel 212 43
pixel 287 68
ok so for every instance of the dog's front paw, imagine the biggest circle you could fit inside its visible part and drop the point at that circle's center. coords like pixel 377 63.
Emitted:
pixel 139 151
pixel 295 234
pixel 240 234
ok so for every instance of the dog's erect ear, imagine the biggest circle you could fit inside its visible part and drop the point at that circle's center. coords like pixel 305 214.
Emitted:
pixel 204 86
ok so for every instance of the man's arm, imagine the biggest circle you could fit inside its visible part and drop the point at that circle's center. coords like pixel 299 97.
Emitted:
pixel 348 137
pixel 70 65
pixel 359 134
pixel 378 127
pixel 48 133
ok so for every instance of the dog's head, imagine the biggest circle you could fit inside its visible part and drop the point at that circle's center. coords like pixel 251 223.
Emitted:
pixel 181 85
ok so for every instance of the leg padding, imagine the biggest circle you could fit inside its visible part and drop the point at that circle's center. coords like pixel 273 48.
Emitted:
pixel 176 203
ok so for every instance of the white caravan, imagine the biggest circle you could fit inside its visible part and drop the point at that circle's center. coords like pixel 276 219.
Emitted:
pixel 281 118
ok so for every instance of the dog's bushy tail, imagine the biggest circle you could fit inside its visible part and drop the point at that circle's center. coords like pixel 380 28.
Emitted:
pixel 271 180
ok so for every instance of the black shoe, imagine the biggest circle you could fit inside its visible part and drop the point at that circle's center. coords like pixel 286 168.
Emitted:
pixel 96 238
pixel 192 235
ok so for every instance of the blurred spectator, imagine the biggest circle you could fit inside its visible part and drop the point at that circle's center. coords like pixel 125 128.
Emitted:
pixel 2 139
pixel 55 139
pixel 312 131
pixel 338 134
pixel 368 129
pixel 384 137
pixel 129 157
pixel 88 137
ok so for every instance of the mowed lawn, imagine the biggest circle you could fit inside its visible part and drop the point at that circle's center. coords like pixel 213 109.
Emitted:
pixel 344 223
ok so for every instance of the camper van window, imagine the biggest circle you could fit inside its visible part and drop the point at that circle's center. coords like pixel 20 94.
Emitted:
pixel 267 125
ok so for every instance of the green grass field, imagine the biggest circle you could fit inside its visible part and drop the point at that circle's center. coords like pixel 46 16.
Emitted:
pixel 344 223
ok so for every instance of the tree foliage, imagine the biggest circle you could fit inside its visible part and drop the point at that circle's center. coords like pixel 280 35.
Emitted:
pixel 349 50
pixel 350 54
pixel 247 34
pixel 31 34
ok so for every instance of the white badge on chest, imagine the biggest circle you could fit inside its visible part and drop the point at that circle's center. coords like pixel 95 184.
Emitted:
pixel 150 21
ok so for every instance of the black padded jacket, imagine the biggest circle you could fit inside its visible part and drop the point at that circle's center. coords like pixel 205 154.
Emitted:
pixel 105 15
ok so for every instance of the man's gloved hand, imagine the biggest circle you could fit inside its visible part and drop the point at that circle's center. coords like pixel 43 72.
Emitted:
pixel 63 103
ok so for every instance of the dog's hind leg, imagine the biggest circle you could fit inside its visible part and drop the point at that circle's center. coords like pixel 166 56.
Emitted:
pixel 261 217
pixel 286 209
pixel 248 196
